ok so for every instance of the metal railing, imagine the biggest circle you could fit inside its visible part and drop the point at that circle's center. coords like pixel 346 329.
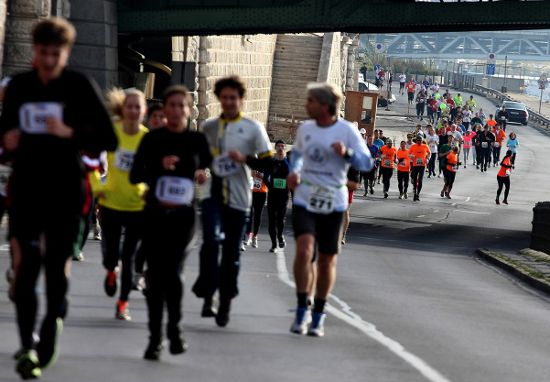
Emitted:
pixel 492 93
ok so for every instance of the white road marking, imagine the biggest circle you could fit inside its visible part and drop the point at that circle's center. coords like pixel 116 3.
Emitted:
pixel 421 216
pixel 345 314
pixel 4 247
pixel 473 212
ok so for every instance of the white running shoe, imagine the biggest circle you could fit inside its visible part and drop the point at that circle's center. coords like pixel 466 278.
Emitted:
pixel 254 242
pixel 299 326
pixel 317 327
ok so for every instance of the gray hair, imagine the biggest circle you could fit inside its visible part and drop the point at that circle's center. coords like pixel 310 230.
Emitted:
pixel 326 94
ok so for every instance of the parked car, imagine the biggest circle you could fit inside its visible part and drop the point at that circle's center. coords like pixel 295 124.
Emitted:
pixel 517 110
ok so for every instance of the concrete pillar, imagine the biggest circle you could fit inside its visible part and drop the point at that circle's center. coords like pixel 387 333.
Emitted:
pixel 22 15
pixel 96 50
pixel 3 14
pixel 185 54
pixel 351 77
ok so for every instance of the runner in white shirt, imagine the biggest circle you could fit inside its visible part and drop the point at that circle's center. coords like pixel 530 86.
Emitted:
pixel 432 140
pixel 323 151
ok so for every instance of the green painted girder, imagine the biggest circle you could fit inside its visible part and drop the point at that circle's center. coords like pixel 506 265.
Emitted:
pixel 207 17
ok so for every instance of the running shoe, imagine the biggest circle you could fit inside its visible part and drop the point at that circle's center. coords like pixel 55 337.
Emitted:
pixel 110 283
pixel 385 195
pixel 282 242
pixel 152 353
pixel 448 195
pixel 243 248
pixel 122 313
pixel 222 318
pixel 371 190
pixel 317 327
pixel 343 242
pixel 208 309
pixel 178 345
pixel 139 282
pixel 78 256
pixel 405 195
pixel 254 241
pixel 27 365
pixel 97 232
pixel 273 249
pixel 299 326
pixel 505 201
pixel 47 348
pixel 442 194
pixel 497 201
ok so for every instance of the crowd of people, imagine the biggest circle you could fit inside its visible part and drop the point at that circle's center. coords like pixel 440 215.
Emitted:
pixel 456 135
pixel 140 173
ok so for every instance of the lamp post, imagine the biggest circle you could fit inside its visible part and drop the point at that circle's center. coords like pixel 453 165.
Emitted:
pixel 542 85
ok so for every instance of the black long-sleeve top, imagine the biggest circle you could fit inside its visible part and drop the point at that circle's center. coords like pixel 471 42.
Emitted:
pixel 48 169
pixel 190 147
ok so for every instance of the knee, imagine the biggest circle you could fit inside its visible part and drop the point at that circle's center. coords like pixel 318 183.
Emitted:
pixel 326 263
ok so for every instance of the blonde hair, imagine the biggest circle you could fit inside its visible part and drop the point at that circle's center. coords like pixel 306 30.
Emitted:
pixel 326 94
pixel 116 98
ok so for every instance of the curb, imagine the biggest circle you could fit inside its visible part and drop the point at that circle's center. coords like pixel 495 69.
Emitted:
pixel 495 259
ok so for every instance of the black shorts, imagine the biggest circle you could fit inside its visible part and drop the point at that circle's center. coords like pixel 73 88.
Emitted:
pixel 401 85
pixel 327 229
pixel 411 96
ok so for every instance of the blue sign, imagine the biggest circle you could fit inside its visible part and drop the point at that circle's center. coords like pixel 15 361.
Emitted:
pixel 377 68
pixel 491 69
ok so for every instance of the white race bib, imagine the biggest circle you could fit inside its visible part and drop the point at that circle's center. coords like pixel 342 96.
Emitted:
pixel 484 144
pixel 508 172
pixel 33 115
pixel 321 200
pixel 174 190
pixel 257 182
pixel 223 166
pixel 419 162
pixel 387 163
pixel 124 159
pixel 503 118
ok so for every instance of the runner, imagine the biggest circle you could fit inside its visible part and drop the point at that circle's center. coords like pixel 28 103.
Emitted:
pixel 420 153
pixel 450 170
pixel 64 115
pixel 491 122
pixel 155 116
pixel 387 164
pixel 502 117
pixel 466 117
pixel 233 139
pixel 458 100
pixel 121 202
pixel 503 177
pixel 169 160
pixel 484 143
pixel 420 104
pixel 321 197
pixel 403 170
pixel 411 88
pixel 402 80
pixel 513 145
pixel 259 197
pixel 500 136
pixel 432 140
pixel 467 147
pixel 370 176
pixel 471 103
pixel 351 185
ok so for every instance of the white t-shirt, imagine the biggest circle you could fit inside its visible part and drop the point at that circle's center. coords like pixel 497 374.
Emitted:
pixel 467 115
pixel 321 165
pixel 457 136
pixel 433 142
pixel 402 78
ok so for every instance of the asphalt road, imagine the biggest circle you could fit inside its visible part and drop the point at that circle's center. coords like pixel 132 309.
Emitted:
pixel 411 302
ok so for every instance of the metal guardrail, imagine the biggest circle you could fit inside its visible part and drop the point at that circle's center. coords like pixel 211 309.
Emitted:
pixel 533 115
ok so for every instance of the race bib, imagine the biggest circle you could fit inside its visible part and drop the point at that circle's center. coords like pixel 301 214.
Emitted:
pixel 387 163
pixel 223 166
pixel 257 182
pixel 124 159
pixel 33 115
pixel 174 190
pixel 502 118
pixel 484 144
pixel 403 163
pixel 279 184
pixel 321 200
pixel 508 172
pixel 419 162
pixel 497 145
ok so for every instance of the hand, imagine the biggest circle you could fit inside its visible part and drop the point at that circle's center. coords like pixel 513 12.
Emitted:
pixel 352 186
pixel 169 162
pixel 58 128
pixel 237 156
pixel 11 139
pixel 200 176
pixel 339 148
pixel 292 181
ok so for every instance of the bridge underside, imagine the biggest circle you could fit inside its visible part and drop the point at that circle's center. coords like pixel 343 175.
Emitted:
pixel 525 46
pixel 207 17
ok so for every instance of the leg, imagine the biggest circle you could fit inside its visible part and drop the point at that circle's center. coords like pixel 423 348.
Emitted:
pixel 272 220
pixel 209 270
pixel 281 217
pixel 506 189
pixel 400 178
pixel 259 203
pixel 112 231
pixel 133 223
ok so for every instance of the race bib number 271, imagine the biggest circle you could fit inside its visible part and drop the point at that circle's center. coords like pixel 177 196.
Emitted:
pixel 321 200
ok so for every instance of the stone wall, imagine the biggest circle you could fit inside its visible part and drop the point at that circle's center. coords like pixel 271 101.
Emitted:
pixel 22 15
pixel 250 57
pixel 95 52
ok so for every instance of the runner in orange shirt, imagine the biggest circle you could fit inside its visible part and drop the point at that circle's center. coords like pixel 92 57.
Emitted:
pixel 500 136
pixel 503 177
pixel 450 172
pixel 491 121
pixel 419 154
pixel 387 164
pixel 411 88
pixel 403 170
